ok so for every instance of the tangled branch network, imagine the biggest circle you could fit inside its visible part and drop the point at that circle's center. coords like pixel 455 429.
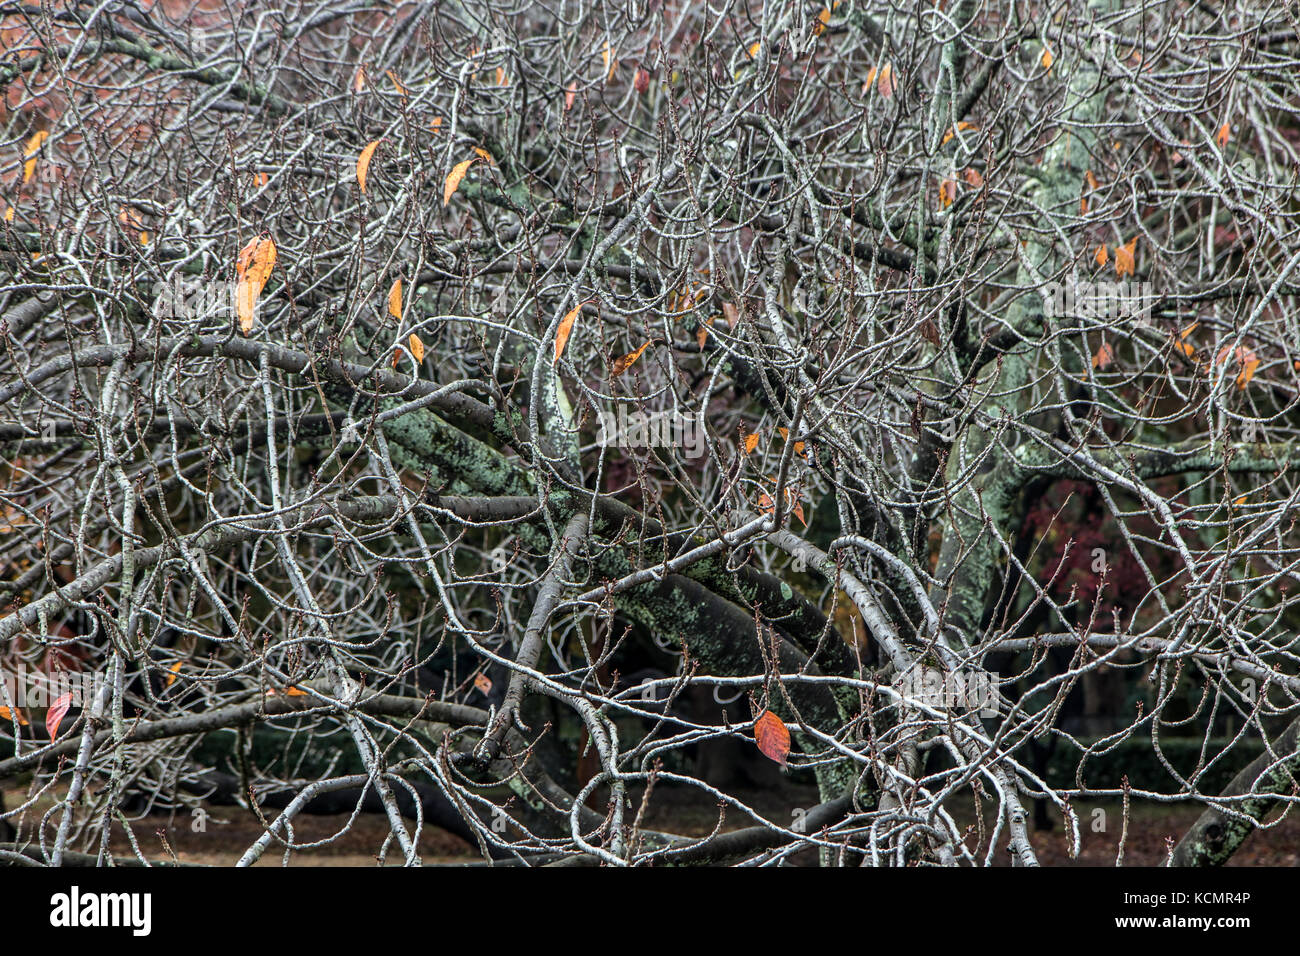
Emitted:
pixel 476 414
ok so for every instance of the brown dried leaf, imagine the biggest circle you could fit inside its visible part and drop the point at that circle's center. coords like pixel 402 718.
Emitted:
pixel 625 362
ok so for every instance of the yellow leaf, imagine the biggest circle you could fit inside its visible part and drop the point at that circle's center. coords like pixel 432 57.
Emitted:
pixel 483 154
pixel 363 163
pixel 1102 256
pixel 961 128
pixel 1046 58
pixel 751 442
pixel 33 147
pixel 625 362
pixel 611 63
pixel 1124 257
pixel 252 269
pixel 454 177
pixel 754 48
pixel 566 327
pixel 172 672
pixel 9 214
pixel 1224 132
pixel 396 82
pixel 885 81
pixel 417 347
pixel 823 18
pixel 395 299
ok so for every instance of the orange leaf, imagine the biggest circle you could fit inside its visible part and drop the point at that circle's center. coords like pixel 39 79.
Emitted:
pixel 625 362
pixel 765 503
pixel 294 692
pixel 1046 59
pixel 9 214
pixel 798 513
pixel 1224 132
pixel 751 442
pixel 566 327
pixel 56 713
pixel 172 672
pixel 1124 258
pixel 395 299
pixel 363 163
pixel 823 18
pixel 436 124
pixel 483 683
pixel 885 82
pixel 359 83
pixel 396 82
pixel 570 93
pixel 397 356
pixel 1184 346
pixel 252 269
pixel 1102 256
pixel 1104 357
pixel 483 154
pixel 611 62
pixel 772 737
pixel 754 48
pixel 7 714
pixel 454 177
pixel 1249 362
pixel 702 333
pixel 961 127
pixel 871 79
pixel 501 76
pixel 417 347
pixel 33 147
pixel 947 193
pixel 972 176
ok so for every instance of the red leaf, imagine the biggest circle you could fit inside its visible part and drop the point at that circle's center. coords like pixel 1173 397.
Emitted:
pixel 772 737
pixel 57 710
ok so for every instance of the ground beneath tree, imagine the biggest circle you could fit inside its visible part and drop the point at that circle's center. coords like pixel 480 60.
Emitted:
pixel 227 831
